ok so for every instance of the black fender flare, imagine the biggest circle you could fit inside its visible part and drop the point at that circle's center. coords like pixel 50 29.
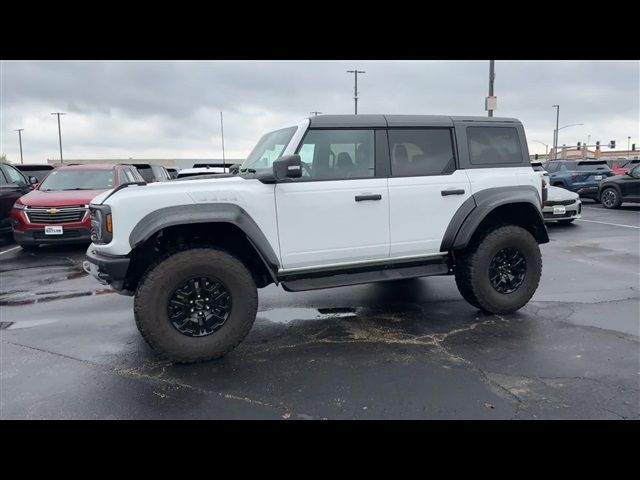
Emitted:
pixel 474 210
pixel 207 213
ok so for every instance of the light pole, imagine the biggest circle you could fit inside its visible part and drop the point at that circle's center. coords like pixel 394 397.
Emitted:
pixel 555 132
pixel 558 133
pixel 315 113
pixel 224 163
pixel 59 133
pixel 628 149
pixel 492 77
pixel 19 130
pixel 355 90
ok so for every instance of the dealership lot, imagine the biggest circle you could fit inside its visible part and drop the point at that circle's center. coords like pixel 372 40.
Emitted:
pixel 410 349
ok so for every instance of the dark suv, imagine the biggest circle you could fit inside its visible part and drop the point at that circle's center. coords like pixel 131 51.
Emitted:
pixel 13 185
pixel 152 173
pixel 580 176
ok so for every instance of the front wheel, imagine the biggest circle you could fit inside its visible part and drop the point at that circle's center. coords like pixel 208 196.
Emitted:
pixel 500 272
pixel 196 305
pixel 610 198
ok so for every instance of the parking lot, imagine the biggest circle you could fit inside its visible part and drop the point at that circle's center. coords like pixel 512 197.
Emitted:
pixel 401 350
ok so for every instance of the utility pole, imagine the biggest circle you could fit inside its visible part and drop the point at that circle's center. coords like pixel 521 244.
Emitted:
pixel 355 90
pixel 628 149
pixel 315 113
pixel 224 163
pixel 59 133
pixel 492 77
pixel 555 132
pixel 19 130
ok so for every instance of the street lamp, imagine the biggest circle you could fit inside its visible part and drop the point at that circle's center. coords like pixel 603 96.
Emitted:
pixel 628 148
pixel 558 131
pixel 19 130
pixel 546 148
pixel 555 132
pixel 355 90
pixel 59 133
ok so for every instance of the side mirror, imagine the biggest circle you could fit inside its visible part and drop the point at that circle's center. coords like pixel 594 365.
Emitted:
pixel 33 180
pixel 235 168
pixel 289 166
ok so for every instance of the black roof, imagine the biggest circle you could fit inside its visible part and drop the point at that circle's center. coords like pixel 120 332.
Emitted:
pixel 367 120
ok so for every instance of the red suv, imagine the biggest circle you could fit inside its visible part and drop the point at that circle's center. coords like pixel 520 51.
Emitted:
pixel 57 211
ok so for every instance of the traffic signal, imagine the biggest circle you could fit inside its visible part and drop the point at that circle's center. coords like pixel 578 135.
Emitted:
pixel 612 144
pixel 579 143
pixel 536 156
pixel 598 145
pixel 633 147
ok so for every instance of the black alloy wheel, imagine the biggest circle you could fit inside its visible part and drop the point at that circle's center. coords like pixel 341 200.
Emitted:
pixel 507 270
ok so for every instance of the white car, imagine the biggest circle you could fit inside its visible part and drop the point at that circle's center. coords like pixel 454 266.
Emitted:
pixel 335 200
pixel 562 205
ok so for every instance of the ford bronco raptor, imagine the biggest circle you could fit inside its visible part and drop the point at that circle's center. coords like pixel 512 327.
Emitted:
pixel 335 200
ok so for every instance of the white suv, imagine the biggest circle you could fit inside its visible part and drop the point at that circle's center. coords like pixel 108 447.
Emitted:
pixel 336 200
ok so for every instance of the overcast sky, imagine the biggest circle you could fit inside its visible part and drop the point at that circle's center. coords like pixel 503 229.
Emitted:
pixel 171 109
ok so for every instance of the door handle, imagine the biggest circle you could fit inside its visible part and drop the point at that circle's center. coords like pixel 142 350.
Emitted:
pixel 458 191
pixel 362 198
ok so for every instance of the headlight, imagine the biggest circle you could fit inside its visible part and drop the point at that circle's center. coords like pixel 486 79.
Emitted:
pixel 101 224
pixel 19 206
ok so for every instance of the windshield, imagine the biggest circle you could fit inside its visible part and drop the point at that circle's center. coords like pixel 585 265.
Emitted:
pixel 78 180
pixel 268 149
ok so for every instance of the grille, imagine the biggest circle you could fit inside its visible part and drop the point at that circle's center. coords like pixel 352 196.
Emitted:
pixel 65 234
pixel 62 215
pixel 551 203
pixel 564 215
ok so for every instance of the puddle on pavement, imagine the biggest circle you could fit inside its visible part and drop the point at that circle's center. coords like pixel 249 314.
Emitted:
pixel 286 315
pixel 24 324
pixel 50 296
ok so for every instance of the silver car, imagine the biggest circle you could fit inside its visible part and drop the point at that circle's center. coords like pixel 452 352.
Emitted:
pixel 562 205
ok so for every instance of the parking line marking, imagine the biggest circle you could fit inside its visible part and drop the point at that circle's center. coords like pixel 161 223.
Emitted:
pixel 607 223
pixel 604 209
pixel 10 250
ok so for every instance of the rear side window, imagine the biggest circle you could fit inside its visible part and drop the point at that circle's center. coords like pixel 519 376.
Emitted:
pixel 494 146
pixel 588 166
pixel 421 152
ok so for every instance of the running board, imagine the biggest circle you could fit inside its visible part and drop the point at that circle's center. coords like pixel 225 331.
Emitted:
pixel 384 274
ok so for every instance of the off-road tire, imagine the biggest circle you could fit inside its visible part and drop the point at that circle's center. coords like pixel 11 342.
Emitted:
pixel 472 270
pixel 30 247
pixel 161 280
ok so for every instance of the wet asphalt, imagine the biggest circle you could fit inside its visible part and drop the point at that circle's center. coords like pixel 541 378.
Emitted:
pixel 401 350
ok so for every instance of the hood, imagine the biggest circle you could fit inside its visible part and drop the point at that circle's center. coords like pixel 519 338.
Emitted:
pixel 59 198
pixel 559 194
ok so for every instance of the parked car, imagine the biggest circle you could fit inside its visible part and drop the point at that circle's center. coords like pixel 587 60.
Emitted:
pixel 538 167
pixel 37 170
pixel 617 165
pixel 614 191
pixel 173 173
pixel 630 165
pixel 57 211
pixel 152 173
pixel 335 200
pixel 194 172
pixel 580 176
pixel 13 185
pixel 562 206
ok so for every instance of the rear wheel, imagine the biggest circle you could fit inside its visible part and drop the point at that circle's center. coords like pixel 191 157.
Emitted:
pixel 610 198
pixel 501 271
pixel 196 305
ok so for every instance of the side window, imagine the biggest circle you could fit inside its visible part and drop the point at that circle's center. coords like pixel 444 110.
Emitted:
pixel 421 152
pixel 13 175
pixel 552 167
pixel 3 181
pixel 130 177
pixel 494 146
pixel 338 154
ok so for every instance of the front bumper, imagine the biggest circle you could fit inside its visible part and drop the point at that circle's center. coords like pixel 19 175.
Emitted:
pixel 572 211
pixel 107 269
pixel 36 236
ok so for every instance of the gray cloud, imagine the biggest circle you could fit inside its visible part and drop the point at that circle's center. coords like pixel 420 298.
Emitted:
pixel 171 109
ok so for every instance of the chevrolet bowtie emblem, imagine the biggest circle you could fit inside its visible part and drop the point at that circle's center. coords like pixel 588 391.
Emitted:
pixel 53 211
